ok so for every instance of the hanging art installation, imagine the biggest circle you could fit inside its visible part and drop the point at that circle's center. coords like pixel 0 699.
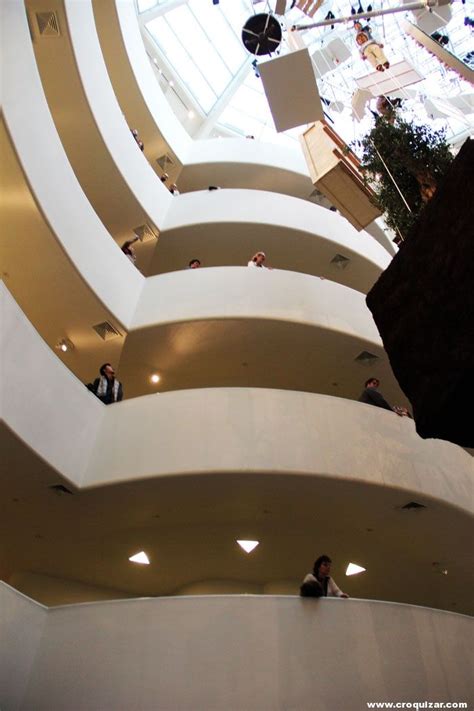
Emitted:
pixel 369 48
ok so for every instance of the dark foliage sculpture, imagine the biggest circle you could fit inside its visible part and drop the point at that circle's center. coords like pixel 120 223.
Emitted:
pixel 404 164
pixel 423 305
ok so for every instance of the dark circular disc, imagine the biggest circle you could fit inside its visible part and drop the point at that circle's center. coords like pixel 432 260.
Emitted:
pixel 261 34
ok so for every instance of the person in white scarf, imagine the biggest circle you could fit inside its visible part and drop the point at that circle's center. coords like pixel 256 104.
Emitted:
pixel 106 387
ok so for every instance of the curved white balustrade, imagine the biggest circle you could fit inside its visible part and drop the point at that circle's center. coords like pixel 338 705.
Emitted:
pixel 223 430
pixel 246 293
pixel 55 187
pixel 235 652
pixel 43 416
pixel 232 163
pixel 244 327
pixel 229 226
pixel 119 181
pixel 136 88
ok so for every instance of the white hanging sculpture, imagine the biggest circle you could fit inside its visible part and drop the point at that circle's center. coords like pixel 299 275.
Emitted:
pixel 291 89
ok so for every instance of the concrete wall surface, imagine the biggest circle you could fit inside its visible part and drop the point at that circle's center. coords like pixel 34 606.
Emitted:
pixel 22 623
pixel 238 652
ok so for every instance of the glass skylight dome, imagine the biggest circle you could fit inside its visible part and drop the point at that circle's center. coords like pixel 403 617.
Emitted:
pixel 198 47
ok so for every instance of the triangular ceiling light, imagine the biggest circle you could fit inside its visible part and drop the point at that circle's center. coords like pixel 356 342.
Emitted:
pixel 248 546
pixel 140 558
pixel 354 569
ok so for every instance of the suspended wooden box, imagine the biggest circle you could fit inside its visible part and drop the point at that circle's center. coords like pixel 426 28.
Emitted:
pixel 335 172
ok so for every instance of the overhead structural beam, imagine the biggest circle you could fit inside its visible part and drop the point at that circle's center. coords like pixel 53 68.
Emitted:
pixel 372 13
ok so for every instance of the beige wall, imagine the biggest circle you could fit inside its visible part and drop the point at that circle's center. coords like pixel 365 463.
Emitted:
pixel 234 653
pixel 50 590
pixel 61 419
pixel 22 622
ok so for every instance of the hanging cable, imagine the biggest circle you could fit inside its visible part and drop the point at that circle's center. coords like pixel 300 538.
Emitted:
pixel 392 178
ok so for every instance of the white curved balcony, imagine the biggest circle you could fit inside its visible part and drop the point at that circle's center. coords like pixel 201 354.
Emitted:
pixel 324 436
pixel 251 327
pixel 237 652
pixel 226 227
pixel 118 180
pixel 46 206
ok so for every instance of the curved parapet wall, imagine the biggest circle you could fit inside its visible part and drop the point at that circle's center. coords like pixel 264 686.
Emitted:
pixel 43 416
pixel 235 326
pixel 136 88
pixel 56 190
pixel 246 293
pixel 235 653
pixel 314 435
pixel 227 227
pixel 119 182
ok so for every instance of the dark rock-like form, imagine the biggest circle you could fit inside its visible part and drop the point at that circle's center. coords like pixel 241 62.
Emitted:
pixel 423 305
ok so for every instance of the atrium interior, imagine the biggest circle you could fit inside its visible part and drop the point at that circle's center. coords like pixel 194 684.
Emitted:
pixel 153 549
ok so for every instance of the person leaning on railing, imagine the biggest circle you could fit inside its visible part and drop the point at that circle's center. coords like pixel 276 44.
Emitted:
pixel 106 387
pixel 319 583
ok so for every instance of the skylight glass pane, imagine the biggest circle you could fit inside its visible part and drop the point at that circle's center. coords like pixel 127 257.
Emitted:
pixel 168 43
pixel 144 5
pixel 197 85
pixel 182 62
pixel 252 102
pixel 199 47
pixel 226 42
pixel 245 124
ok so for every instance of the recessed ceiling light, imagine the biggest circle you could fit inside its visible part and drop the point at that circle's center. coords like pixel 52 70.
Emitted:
pixel 248 546
pixel 65 345
pixel 140 558
pixel 191 114
pixel 155 378
pixel 171 83
pixel 354 569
